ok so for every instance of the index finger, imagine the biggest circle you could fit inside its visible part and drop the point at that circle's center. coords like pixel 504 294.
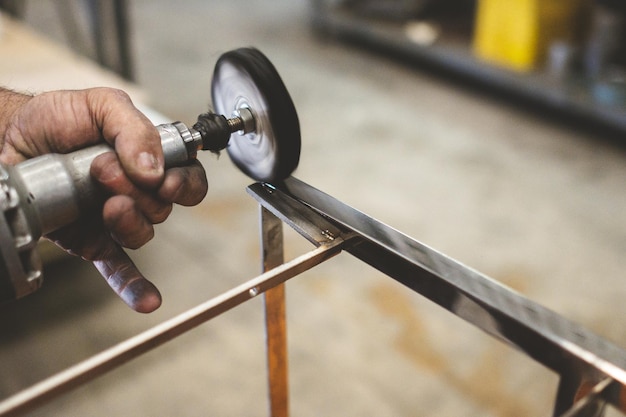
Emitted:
pixel 125 279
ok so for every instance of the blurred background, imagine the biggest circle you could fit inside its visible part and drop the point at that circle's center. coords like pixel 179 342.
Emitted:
pixel 492 133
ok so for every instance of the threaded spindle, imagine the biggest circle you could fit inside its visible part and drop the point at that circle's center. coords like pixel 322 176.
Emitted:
pixel 235 124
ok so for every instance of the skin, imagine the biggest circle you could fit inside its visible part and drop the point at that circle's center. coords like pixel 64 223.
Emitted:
pixel 140 193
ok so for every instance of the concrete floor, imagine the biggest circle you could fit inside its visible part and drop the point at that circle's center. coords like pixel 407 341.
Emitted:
pixel 533 203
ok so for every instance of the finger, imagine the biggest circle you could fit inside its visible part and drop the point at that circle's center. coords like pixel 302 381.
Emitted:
pixel 107 171
pixel 125 279
pixel 186 186
pixel 86 239
pixel 127 225
pixel 135 139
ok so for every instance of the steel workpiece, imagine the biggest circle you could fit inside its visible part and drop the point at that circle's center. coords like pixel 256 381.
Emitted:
pixel 581 358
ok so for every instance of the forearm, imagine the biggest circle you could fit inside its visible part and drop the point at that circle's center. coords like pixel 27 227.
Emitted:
pixel 10 101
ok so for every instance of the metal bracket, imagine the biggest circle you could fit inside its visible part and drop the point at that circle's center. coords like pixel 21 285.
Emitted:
pixel 591 369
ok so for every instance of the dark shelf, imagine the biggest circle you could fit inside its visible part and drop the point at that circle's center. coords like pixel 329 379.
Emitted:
pixel 571 96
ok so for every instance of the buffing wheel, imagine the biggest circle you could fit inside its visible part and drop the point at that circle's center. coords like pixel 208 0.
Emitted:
pixel 245 78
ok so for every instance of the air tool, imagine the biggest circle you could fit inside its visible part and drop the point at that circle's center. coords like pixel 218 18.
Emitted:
pixel 253 118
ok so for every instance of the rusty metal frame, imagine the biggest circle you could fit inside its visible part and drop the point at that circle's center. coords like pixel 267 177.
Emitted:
pixel 592 371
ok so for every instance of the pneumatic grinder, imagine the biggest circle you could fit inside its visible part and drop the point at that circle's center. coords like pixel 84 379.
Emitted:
pixel 261 134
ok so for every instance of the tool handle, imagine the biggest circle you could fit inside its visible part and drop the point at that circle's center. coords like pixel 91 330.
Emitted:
pixel 59 187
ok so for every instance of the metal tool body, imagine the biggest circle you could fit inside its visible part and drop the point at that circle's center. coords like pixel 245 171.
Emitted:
pixel 46 193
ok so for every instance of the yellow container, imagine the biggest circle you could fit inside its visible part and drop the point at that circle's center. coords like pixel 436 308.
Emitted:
pixel 517 33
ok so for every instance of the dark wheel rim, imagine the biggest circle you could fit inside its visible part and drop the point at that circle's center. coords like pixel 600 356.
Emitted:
pixel 246 78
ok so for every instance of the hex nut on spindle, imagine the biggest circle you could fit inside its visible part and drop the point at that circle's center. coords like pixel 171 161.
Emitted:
pixel 246 118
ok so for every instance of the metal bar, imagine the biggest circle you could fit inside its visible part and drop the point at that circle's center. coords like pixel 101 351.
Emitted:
pixel 591 403
pixel 533 329
pixel 315 228
pixel 574 386
pixel 96 20
pixel 124 50
pixel 111 358
pixel 275 316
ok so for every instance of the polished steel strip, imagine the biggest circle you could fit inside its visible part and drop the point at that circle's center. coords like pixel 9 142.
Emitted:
pixel 304 220
pixel 591 403
pixel 542 334
pixel 111 358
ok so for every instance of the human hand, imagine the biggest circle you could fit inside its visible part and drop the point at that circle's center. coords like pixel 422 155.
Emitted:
pixel 140 193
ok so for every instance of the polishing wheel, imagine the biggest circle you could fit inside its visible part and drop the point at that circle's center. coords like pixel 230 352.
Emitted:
pixel 244 79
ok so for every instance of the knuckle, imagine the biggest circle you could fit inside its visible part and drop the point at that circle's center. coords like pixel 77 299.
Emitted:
pixel 160 213
pixel 107 170
pixel 187 186
pixel 113 94
pixel 137 239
